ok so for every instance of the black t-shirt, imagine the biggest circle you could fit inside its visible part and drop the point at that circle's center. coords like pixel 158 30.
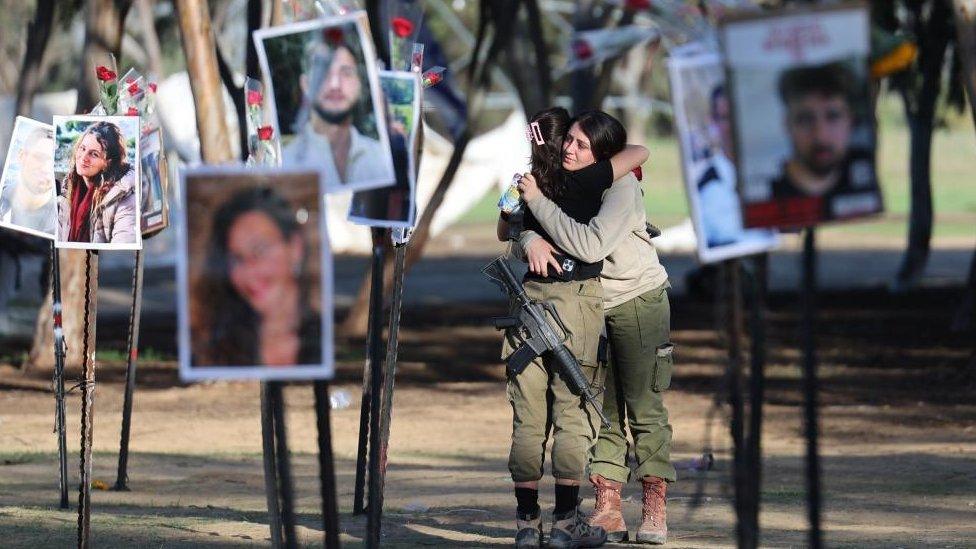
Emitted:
pixel 581 199
pixel 857 174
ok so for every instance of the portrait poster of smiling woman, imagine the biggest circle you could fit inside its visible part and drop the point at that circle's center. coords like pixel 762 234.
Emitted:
pixel 96 169
pixel 254 275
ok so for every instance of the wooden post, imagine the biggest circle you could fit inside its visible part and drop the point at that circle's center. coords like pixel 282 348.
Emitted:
pixel 201 64
pixel 104 21
pixel 38 33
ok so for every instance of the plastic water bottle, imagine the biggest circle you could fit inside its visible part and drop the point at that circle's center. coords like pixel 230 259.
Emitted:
pixel 511 200
pixel 339 400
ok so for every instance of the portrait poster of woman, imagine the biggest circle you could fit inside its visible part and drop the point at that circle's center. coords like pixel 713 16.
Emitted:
pixel 27 200
pixel 254 275
pixel 96 170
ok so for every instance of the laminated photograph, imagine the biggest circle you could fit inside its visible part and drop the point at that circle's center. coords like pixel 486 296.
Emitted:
pixel 325 100
pixel 254 280
pixel 704 126
pixel 27 199
pixel 396 206
pixel 154 184
pixel 803 115
pixel 98 190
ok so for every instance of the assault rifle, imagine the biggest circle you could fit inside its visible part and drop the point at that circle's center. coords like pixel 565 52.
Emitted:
pixel 535 320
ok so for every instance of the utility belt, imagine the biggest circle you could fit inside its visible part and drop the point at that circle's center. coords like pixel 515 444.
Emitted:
pixel 573 270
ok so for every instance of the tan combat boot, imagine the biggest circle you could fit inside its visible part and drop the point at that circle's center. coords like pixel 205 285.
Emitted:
pixel 607 513
pixel 654 525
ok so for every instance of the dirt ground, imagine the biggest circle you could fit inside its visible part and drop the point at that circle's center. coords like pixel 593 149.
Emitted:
pixel 898 443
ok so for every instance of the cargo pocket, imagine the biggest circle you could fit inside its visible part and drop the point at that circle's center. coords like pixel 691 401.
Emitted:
pixel 589 296
pixel 663 366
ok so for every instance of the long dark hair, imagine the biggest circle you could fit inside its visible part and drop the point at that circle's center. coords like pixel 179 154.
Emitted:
pixel 234 324
pixel 606 134
pixel 110 137
pixel 547 158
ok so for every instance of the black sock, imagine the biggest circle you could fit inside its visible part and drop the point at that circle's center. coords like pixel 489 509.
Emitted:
pixel 566 498
pixel 528 501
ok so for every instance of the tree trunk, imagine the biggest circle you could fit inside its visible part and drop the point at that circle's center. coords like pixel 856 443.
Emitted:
pixel 965 12
pixel 150 37
pixel 104 20
pixel 201 63
pixel 920 112
pixel 38 33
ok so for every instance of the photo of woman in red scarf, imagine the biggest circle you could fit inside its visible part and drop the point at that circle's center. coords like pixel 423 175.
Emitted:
pixel 98 202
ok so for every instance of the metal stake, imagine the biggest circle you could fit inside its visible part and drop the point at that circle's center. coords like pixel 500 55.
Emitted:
pixel 132 352
pixel 378 458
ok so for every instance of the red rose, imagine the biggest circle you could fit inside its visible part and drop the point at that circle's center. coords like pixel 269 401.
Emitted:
pixel 333 36
pixel 152 87
pixel 104 73
pixel 432 78
pixel 133 89
pixel 582 49
pixel 265 133
pixel 402 27
pixel 254 97
pixel 132 112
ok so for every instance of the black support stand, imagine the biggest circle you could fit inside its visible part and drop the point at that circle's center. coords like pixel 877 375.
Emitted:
pixel 380 443
pixel 270 465
pixel 132 353
pixel 810 386
pixel 372 373
pixel 60 352
pixel 330 510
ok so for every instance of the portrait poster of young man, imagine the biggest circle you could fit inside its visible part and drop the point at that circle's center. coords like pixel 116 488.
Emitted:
pixel 803 116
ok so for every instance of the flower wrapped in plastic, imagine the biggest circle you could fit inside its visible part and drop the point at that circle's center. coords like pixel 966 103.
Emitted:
pixel 108 86
pixel 263 146
pixel 405 20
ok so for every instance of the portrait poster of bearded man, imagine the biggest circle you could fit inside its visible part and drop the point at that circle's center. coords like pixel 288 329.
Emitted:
pixel 326 100
pixel 27 200
pixel 803 118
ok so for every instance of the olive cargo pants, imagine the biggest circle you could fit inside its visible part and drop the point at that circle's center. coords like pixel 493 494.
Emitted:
pixel 541 399
pixel 639 373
